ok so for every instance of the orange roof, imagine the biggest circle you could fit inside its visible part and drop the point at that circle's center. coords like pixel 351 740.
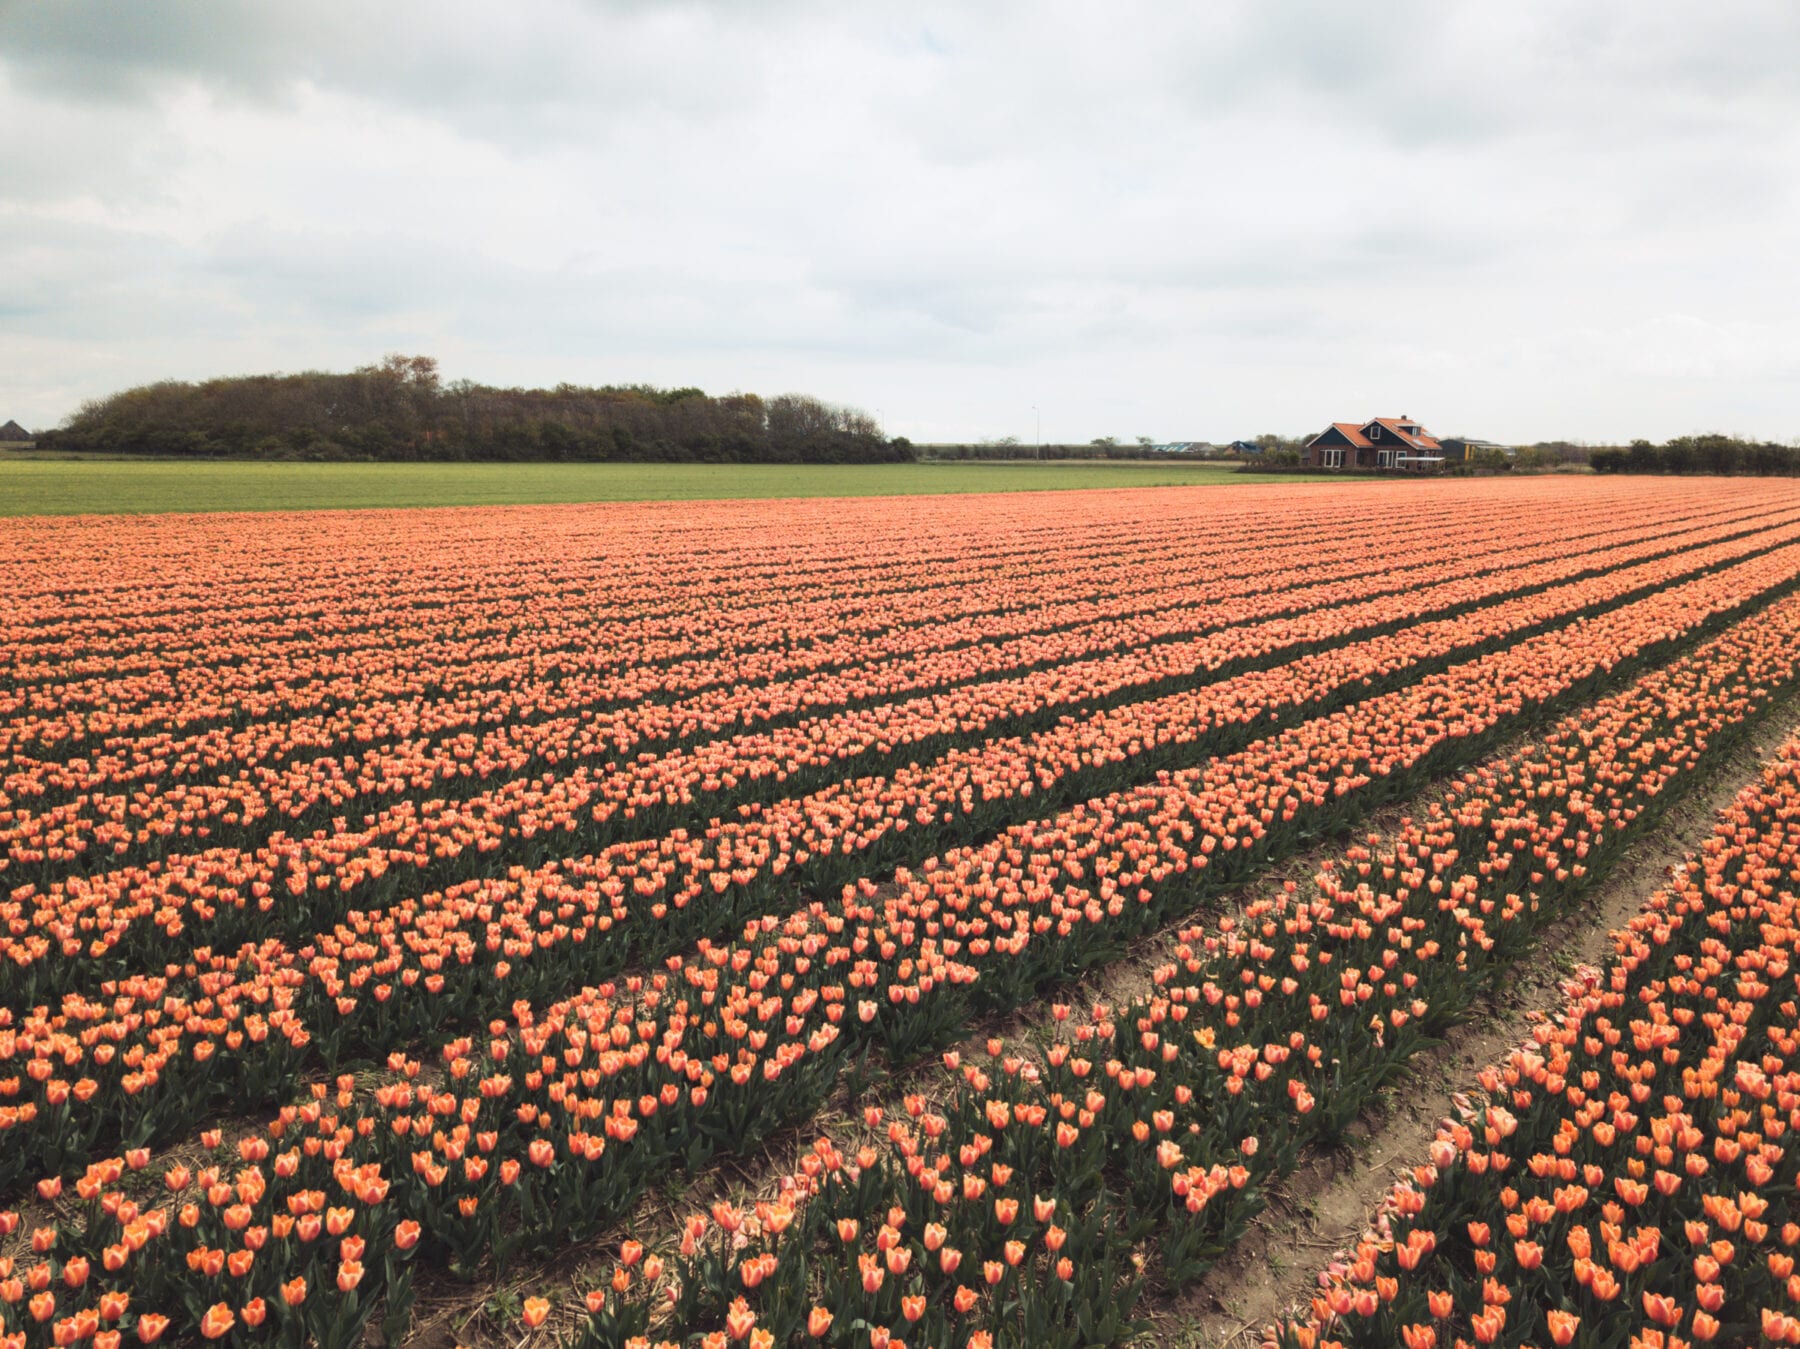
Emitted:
pixel 1419 439
pixel 1353 433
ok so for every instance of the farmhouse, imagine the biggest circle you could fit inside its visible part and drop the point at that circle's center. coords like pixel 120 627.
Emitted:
pixel 1397 443
pixel 12 434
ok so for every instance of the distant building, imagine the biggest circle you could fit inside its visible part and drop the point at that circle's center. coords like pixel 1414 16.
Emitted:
pixel 1396 443
pixel 13 435
pixel 1460 449
pixel 1244 447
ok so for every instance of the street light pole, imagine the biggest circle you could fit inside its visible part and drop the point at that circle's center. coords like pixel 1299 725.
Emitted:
pixel 1040 430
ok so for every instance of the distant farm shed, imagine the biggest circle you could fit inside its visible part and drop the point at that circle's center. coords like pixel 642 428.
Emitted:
pixel 1397 443
pixel 13 435
pixel 1458 449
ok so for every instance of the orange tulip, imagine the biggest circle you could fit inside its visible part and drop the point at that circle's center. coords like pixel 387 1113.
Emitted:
pixel 218 1321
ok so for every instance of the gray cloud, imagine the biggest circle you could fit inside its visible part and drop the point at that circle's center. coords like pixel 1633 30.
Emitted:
pixel 1522 220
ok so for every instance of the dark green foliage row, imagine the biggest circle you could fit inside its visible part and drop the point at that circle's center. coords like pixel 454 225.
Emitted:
pixel 400 410
pixel 1713 454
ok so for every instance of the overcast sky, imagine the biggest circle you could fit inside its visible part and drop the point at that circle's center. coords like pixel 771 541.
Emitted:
pixel 1516 220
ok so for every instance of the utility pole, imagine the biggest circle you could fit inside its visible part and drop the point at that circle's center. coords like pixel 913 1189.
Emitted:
pixel 1040 430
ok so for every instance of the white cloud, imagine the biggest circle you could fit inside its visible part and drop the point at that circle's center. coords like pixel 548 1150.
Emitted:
pixel 1521 221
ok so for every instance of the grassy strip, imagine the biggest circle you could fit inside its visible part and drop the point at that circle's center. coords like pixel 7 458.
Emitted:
pixel 113 487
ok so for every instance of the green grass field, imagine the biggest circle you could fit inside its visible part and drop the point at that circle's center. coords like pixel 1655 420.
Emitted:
pixel 112 487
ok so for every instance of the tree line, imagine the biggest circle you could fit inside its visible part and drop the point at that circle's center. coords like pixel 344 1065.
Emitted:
pixel 1712 454
pixel 1270 449
pixel 400 409
pixel 1009 449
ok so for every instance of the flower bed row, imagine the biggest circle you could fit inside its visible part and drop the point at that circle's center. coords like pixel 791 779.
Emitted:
pixel 447 635
pixel 225 896
pixel 323 1136
pixel 1207 596
pixel 157 578
pixel 149 1048
pixel 540 557
pixel 1627 1175
pixel 1156 1119
pixel 1164 1123
pixel 312 1144
pixel 220 896
pixel 130 805
pixel 526 558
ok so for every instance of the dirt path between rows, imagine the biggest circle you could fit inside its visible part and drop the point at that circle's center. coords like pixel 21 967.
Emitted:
pixel 1327 1204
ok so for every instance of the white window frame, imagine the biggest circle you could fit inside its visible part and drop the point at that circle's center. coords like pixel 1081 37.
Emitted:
pixel 1332 458
pixel 1384 458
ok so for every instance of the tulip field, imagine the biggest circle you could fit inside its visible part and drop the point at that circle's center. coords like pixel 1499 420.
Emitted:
pixel 403 901
pixel 1627 1168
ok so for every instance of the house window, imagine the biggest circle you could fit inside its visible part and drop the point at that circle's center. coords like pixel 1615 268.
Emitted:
pixel 1374 433
pixel 1331 458
pixel 1384 459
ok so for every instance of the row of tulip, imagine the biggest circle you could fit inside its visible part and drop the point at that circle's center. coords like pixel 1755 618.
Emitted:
pixel 526 558
pixel 146 1055
pixel 226 895
pixel 369 867
pixel 1625 1176
pixel 1159 1119
pixel 144 600
pixel 539 559
pixel 901 656
pixel 239 1239
pixel 444 637
pixel 153 579
pixel 1010 1215
pixel 56 837
pixel 1096 592
pixel 648 765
